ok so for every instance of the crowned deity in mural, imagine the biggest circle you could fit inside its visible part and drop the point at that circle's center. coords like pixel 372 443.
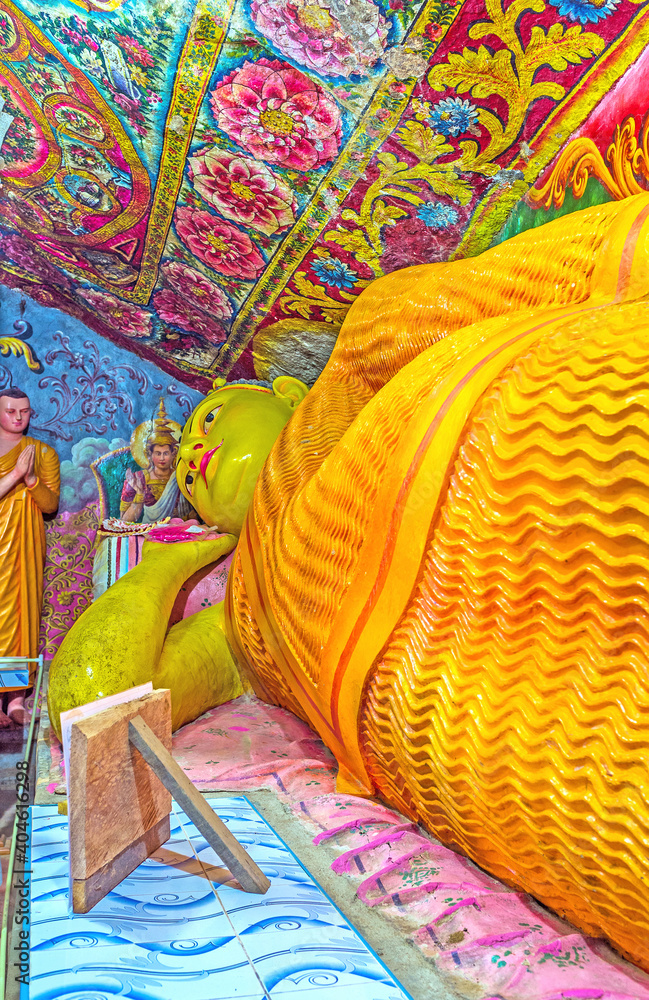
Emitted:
pixel 151 493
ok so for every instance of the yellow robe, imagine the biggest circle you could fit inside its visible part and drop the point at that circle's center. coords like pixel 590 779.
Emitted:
pixel 22 549
pixel 445 566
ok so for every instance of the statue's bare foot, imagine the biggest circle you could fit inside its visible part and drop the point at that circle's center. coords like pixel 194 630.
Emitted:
pixel 16 710
pixel 5 721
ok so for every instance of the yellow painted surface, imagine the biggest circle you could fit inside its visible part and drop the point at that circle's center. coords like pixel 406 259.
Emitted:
pixel 445 564
pixel 445 567
pixel 117 642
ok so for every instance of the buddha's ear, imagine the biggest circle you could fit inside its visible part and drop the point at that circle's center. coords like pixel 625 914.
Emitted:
pixel 290 389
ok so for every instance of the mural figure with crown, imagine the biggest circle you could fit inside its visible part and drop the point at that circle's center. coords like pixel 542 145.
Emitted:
pixel 151 493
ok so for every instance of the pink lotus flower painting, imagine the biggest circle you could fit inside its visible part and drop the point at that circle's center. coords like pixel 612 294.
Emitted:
pixel 244 190
pixel 122 316
pixel 197 290
pixel 310 33
pixel 278 114
pixel 219 244
pixel 174 309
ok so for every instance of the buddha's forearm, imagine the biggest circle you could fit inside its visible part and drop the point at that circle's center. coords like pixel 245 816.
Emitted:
pixel 8 482
pixel 45 498
pixel 198 666
pixel 117 641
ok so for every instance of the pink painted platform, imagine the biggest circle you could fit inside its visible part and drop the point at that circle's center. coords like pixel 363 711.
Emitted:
pixel 492 943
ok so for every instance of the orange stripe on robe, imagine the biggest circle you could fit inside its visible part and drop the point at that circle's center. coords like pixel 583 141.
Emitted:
pixel 22 549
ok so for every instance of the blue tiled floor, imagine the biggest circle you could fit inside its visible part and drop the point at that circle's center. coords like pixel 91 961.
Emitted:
pixel 165 933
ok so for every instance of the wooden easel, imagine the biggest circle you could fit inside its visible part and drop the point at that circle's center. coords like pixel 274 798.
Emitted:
pixel 121 781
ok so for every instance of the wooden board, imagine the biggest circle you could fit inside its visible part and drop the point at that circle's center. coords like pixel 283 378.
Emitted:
pixel 115 799
pixel 87 892
pixel 232 854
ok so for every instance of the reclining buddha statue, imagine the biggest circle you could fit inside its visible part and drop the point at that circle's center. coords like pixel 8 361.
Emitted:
pixel 442 562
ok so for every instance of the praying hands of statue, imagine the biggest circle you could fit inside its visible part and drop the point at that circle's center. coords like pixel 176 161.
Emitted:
pixel 23 471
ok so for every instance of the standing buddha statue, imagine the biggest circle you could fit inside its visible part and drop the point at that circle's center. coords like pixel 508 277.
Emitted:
pixel 29 488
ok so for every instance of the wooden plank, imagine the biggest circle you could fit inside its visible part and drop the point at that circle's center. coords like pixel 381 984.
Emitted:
pixel 228 848
pixel 114 798
pixel 87 892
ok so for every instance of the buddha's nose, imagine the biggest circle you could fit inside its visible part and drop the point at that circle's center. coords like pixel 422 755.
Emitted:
pixel 191 452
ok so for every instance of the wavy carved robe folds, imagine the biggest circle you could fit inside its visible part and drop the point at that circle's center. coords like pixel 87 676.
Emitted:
pixel 445 568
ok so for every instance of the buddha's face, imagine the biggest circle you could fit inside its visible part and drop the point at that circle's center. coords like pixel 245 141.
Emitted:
pixel 14 414
pixel 224 445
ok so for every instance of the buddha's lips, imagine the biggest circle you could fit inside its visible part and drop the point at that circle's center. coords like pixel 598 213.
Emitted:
pixel 205 461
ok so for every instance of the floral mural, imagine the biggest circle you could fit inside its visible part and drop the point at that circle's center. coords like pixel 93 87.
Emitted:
pixel 184 177
pixel 278 114
pixel 324 37
pixel 243 189
pixel 219 244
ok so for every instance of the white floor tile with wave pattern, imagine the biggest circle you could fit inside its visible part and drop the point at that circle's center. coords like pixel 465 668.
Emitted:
pixel 166 934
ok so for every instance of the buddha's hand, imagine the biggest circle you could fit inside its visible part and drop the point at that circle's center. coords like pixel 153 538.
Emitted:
pixel 117 641
pixel 24 467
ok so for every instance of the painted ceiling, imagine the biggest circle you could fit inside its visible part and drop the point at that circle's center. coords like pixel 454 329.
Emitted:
pixel 211 183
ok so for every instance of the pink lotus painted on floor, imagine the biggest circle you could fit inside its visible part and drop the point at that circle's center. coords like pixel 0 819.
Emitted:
pixel 243 190
pixel 196 289
pixel 219 244
pixel 278 114
pixel 310 33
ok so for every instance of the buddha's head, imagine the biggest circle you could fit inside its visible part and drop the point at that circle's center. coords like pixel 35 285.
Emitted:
pixel 225 443
pixel 15 411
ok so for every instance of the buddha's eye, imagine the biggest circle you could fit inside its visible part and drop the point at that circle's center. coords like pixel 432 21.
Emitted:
pixel 189 479
pixel 207 423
